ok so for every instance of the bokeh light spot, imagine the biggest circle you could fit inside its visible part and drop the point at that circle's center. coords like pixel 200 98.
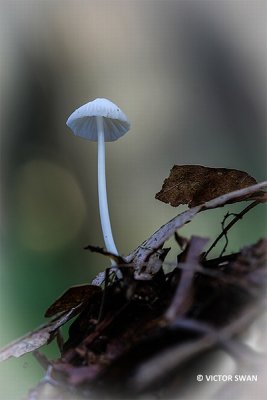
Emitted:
pixel 50 205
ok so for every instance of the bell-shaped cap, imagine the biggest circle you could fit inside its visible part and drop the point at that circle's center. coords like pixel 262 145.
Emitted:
pixel 83 120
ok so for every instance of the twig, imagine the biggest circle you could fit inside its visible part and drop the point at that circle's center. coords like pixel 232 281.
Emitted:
pixel 225 233
pixel 229 226
pixel 182 297
pixel 142 252
pixel 42 359
pixel 60 340
pixel 103 301
pixel 160 365
pixel 237 349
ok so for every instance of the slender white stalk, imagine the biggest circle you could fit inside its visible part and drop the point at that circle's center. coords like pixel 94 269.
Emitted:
pixel 102 191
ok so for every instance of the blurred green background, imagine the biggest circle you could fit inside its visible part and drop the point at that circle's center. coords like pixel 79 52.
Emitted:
pixel 191 78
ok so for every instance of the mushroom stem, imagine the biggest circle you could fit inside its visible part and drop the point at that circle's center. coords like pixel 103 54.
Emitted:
pixel 102 191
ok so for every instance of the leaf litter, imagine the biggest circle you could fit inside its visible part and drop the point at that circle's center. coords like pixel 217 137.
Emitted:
pixel 134 334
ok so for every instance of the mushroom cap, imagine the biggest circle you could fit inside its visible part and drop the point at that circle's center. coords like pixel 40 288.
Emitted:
pixel 83 122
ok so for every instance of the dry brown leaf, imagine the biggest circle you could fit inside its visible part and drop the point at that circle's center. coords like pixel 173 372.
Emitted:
pixel 37 338
pixel 195 184
pixel 68 305
pixel 74 296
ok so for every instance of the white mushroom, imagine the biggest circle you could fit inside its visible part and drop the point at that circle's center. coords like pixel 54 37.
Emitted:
pixel 102 121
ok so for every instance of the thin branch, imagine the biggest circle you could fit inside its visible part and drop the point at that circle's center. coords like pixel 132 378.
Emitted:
pixel 229 226
pixel 142 252
pixel 181 300
pixel 228 215
pixel 103 301
pixel 164 362
pixel 42 359
pixel 237 349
